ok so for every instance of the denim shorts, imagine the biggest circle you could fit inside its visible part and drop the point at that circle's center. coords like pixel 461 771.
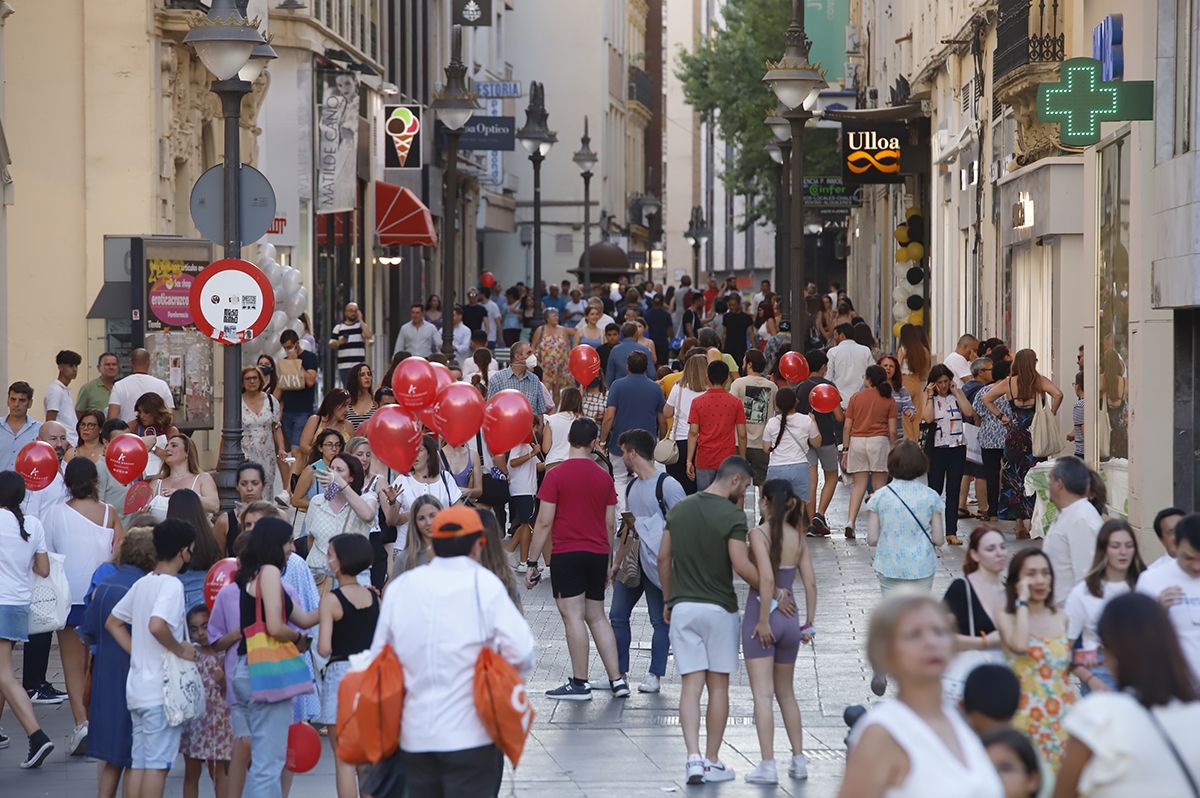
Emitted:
pixel 155 744
pixel 14 623
pixel 293 426
pixel 796 474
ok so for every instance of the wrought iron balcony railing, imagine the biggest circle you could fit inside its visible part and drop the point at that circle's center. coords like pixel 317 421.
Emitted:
pixel 1027 32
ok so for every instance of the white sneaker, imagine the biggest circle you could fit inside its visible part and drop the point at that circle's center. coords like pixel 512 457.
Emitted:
pixel 522 567
pixel 695 771
pixel 799 768
pixel 78 739
pixel 651 684
pixel 763 774
pixel 717 771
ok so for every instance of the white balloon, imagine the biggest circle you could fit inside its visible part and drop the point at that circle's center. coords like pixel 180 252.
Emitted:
pixel 296 326
pixel 900 293
pixel 269 251
pixel 293 305
pixel 899 311
pixel 292 281
pixel 278 322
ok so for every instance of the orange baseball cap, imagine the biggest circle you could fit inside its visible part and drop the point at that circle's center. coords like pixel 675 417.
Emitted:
pixel 456 522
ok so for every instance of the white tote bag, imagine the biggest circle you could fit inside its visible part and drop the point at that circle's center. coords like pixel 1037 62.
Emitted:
pixel 50 598
pixel 183 690
pixel 974 451
pixel 955 677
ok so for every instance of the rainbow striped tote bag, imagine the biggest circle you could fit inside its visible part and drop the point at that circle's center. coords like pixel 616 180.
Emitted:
pixel 277 668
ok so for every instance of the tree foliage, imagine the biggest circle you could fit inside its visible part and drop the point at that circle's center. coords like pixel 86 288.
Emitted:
pixel 722 81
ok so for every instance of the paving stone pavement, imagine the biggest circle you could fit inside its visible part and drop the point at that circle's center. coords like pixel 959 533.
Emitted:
pixel 616 747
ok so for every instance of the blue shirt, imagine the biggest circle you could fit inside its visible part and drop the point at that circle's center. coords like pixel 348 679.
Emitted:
pixel 529 385
pixel 617 367
pixel 556 302
pixel 638 402
pixel 904 551
pixel 11 442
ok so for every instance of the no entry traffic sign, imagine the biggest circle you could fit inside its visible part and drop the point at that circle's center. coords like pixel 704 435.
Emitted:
pixel 232 301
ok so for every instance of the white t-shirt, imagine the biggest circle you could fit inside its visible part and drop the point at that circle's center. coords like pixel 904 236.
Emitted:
pixel 522 479
pixel 793 446
pixel 1186 615
pixel 959 366
pixel 1083 611
pixel 469 369
pixel 16 557
pixel 560 426
pixel 681 399
pixel 128 390
pixel 445 490
pixel 1129 755
pixel 492 323
pixel 58 397
pixel 153 596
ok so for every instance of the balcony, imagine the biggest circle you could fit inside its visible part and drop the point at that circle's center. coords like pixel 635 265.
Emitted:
pixel 641 96
pixel 1030 47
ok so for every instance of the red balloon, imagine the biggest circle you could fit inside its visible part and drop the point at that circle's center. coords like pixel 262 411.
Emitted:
pixel 442 377
pixel 303 748
pixel 219 575
pixel 794 367
pixel 584 363
pixel 37 463
pixel 458 414
pixel 507 420
pixel 395 436
pixel 414 383
pixel 126 457
pixel 824 398
pixel 487 279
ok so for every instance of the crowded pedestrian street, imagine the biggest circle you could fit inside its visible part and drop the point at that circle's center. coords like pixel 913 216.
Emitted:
pixel 626 747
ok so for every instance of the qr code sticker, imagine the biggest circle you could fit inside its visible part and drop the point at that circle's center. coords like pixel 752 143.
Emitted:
pixel 231 332
pixel 231 315
pixel 249 302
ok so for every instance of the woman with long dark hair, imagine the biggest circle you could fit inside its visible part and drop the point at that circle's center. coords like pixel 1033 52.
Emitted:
pixel 362 401
pixel 786 438
pixel 1115 569
pixel 1034 634
pixel 946 407
pixel 333 413
pixel 869 434
pixel 184 505
pixel 343 508
pixel 1141 738
pixel 906 408
pixel 22 554
pixel 914 358
pixel 258 578
pixel 270 373
pixel 1025 389
pixel 433 310
pixel 328 444
pixel 976 599
pixel 770 639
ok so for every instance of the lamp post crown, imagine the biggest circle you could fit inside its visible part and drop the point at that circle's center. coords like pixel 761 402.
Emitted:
pixel 224 38
pixel 535 135
pixel 793 78
pixel 454 104
pixel 585 158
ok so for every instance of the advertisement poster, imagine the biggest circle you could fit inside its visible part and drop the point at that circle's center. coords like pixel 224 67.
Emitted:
pixel 168 287
pixel 337 140
pixel 402 130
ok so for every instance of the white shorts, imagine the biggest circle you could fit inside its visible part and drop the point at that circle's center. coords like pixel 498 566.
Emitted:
pixel 868 454
pixel 704 637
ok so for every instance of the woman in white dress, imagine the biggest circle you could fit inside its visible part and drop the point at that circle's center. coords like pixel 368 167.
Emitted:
pixel 915 746
pixel 427 478
pixel 262 431
pixel 1140 740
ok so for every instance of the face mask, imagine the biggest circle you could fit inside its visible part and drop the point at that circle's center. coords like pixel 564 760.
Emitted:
pixel 531 362
pixel 266 370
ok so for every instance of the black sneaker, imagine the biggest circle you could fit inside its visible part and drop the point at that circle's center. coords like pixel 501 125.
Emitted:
pixel 3 740
pixel 574 692
pixel 620 687
pixel 40 747
pixel 46 695
pixel 819 528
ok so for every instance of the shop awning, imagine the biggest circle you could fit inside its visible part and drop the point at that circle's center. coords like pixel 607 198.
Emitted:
pixel 112 302
pixel 401 219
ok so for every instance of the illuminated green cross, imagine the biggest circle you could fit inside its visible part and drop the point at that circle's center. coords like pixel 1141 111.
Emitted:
pixel 1082 101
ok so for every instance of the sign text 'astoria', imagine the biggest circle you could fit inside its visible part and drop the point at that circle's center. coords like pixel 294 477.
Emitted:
pixel 873 153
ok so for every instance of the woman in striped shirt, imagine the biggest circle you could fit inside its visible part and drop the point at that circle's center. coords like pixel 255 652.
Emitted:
pixel 362 403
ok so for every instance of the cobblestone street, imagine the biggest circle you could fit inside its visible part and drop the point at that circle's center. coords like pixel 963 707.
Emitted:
pixel 618 747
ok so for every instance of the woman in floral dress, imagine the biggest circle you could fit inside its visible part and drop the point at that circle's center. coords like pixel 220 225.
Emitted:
pixel 208 738
pixel 262 432
pixel 1034 634
pixel 552 344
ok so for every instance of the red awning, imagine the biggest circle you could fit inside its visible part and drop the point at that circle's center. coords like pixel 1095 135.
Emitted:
pixel 401 219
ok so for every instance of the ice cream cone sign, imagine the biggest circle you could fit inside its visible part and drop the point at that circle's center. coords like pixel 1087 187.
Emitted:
pixel 403 126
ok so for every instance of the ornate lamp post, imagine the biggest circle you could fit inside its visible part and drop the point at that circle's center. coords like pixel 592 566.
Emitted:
pixel 586 160
pixel 797 84
pixel 454 106
pixel 537 139
pixel 696 235
pixel 231 48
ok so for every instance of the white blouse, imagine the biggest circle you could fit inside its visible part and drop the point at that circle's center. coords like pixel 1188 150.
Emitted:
pixel 1083 611
pixel 681 399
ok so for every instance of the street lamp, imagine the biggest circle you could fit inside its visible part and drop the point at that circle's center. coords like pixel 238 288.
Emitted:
pixel 696 234
pixel 537 139
pixel 224 42
pixel 781 129
pixel 586 160
pixel 454 105
pixel 797 84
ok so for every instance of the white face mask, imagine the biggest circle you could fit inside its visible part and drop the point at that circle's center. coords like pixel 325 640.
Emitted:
pixel 531 362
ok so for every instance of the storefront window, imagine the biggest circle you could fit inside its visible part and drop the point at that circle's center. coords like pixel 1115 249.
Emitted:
pixel 1112 362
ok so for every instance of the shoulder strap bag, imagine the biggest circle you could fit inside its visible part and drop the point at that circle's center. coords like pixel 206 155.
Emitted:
pixel 1187 773
pixel 914 515
pixel 665 451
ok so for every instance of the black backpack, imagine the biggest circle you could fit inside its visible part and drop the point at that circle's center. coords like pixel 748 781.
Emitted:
pixel 658 492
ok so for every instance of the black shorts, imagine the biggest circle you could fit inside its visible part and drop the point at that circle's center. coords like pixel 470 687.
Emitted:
pixel 522 509
pixel 576 572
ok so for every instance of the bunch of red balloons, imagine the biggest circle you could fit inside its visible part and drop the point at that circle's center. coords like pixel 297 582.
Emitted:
pixel 428 396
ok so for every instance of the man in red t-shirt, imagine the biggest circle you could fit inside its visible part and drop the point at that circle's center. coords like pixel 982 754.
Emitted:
pixel 582 534
pixel 716 427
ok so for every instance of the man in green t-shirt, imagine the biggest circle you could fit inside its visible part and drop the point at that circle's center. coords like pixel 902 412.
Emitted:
pixel 94 395
pixel 703 544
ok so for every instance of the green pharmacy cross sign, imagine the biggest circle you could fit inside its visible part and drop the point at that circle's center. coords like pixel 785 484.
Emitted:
pixel 1083 100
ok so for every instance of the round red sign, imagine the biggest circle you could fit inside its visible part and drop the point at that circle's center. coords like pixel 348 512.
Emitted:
pixel 232 301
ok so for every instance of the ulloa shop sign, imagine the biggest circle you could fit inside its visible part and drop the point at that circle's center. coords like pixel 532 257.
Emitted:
pixel 874 153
